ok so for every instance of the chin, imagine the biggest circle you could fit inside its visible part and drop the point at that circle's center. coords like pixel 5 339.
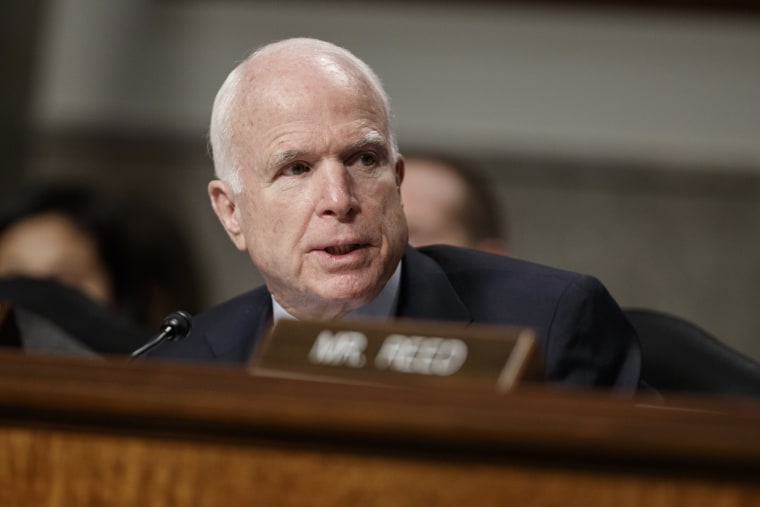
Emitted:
pixel 343 293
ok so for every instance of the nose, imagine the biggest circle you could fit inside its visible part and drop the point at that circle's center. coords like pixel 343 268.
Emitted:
pixel 335 193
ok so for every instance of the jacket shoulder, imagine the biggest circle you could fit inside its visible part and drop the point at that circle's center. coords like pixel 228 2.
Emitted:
pixel 225 332
pixel 468 265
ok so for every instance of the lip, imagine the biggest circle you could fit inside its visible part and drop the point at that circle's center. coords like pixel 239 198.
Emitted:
pixel 343 248
pixel 339 242
pixel 343 254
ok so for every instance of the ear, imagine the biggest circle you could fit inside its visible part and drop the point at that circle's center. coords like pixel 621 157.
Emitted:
pixel 399 171
pixel 224 204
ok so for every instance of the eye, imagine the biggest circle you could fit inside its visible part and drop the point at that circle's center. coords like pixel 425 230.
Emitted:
pixel 296 169
pixel 368 159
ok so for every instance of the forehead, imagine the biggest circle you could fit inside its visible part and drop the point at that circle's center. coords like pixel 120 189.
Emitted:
pixel 47 224
pixel 318 97
pixel 45 237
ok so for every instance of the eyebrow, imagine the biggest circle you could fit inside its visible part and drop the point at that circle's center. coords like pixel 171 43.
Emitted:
pixel 373 138
pixel 287 156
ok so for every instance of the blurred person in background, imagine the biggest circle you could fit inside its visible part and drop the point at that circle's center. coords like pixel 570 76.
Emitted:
pixel 448 201
pixel 120 251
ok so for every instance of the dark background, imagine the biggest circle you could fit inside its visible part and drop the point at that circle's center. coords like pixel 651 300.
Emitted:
pixel 624 137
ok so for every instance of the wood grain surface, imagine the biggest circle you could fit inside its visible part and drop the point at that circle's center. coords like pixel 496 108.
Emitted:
pixel 85 432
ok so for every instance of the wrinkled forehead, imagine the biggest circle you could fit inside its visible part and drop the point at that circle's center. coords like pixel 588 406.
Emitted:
pixel 303 83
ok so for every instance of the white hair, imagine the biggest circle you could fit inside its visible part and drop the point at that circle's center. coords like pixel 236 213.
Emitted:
pixel 222 132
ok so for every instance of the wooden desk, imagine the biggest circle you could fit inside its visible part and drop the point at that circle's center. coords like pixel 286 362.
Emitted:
pixel 84 432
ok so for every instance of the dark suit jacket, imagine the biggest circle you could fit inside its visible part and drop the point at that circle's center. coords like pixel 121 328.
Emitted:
pixel 584 337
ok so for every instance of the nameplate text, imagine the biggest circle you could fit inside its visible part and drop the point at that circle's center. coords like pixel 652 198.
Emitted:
pixel 401 353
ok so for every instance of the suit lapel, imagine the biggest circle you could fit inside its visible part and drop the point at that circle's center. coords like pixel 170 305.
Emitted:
pixel 242 327
pixel 426 292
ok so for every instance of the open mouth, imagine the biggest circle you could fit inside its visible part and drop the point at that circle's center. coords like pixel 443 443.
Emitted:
pixel 342 249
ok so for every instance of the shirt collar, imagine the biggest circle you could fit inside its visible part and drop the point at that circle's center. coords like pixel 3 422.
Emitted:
pixel 384 305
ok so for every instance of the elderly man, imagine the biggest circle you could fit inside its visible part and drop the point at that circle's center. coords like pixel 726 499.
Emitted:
pixel 308 183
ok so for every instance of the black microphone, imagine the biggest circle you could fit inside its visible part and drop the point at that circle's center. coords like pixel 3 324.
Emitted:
pixel 175 326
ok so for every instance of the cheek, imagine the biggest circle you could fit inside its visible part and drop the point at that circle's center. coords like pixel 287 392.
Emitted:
pixel 269 222
pixel 391 215
pixel 97 286
pixel 392 202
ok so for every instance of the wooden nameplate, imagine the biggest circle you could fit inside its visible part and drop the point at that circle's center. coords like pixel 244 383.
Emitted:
pixel 400 353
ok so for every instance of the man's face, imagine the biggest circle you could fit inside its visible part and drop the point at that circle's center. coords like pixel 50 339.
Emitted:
pixel 50 245
pixel 433 198
pixel 320 211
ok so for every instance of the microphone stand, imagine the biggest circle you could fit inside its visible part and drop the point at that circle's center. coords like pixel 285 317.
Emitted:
pixel 175 326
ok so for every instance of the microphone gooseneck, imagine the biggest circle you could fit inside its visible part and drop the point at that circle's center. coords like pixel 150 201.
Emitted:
pixel 175 326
